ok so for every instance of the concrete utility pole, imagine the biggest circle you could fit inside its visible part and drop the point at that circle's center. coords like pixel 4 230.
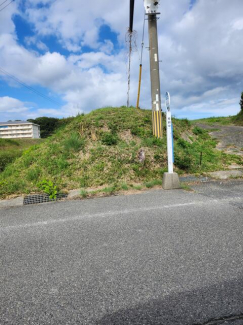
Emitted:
pixel 151 8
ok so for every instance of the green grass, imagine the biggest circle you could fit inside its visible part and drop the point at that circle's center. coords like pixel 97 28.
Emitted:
pixel 124 187
pixel 238 119
pixel 215 120
pixel 73 142
pixel 100 149
pixel 153 183
pixel 186 187
pixel 11 149
pixel 83 193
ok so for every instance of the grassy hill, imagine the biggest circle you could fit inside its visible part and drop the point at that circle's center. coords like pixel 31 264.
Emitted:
pixel 237 120
pixel 12 149
pixel 101 149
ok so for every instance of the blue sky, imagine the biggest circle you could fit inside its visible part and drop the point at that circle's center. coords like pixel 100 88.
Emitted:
pixel 76 55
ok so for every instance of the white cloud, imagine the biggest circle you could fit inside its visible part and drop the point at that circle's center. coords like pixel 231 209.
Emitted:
pixel 200 49
pixel 32 40
pixel 238 24
pixel 11 105
pixel 12 108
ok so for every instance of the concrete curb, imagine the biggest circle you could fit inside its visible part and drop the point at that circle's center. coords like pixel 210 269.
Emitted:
pixel 226 174
pixel 18 201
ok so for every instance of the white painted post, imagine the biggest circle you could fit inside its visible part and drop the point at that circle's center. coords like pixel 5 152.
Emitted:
pixel 169 134
pixel 170 180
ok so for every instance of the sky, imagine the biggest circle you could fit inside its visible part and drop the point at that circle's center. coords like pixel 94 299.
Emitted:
pixel 60 58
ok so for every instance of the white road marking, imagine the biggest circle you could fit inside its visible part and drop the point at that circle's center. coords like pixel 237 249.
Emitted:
pixel 114 213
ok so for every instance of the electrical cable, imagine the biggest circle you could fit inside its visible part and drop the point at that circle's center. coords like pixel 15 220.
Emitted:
pixel 6 5
pixel 141 65
pixel 3 2
pixel 142 46
pixel 29 87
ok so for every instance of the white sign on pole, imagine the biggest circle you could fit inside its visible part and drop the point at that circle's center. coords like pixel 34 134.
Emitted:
pixel 169 133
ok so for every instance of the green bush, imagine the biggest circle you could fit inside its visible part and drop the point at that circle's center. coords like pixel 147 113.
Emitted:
pixel 182 143
pixel 109 139
pixel 33 174
pixel 113 127
pixel 48 187
pixel 183 161
pixel 8 142
pixel 152 141
pixel 7 157
pixel 198 131
pixel 136 130
pixel 74 142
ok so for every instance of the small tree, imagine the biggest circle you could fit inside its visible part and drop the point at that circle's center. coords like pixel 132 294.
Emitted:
pixel 241 102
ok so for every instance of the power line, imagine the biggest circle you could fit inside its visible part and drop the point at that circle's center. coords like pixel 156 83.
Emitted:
pixel 6 5
pixel 29 87
pixel 142 45
pixel 3 2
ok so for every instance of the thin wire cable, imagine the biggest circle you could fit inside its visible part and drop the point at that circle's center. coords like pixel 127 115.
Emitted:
pixel 129 69
pixel 142 45
pixel 29 87
pixel 3 2
pixel 7 5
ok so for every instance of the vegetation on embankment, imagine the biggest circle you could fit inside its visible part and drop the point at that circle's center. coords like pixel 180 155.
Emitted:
pixel 12 149
pixel 101 149
pixel 215 120
pixel 238 119
pixel 229 120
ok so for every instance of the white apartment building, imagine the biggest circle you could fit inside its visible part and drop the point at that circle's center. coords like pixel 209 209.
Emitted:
pixel 19 129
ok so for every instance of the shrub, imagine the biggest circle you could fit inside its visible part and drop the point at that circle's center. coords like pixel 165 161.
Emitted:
pixel 33 174
pixel 136 130
pixel 124 187
pixel 241 102
pixel 183 162
pixel 152 141
pixel 8 142
pixel 83 193
pixel 182 143
pixel 48 187
pixel 198 131
pixel 74 143
pixel 113 127
pixel 109 139
pixel 7 157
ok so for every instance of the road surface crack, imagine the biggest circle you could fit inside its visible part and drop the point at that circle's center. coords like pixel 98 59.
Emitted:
pixel 222 320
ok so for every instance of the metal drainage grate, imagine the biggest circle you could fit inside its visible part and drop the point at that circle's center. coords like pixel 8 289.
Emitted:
pixel 41 198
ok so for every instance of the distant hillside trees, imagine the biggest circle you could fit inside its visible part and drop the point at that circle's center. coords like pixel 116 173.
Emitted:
pixel 241 102
pixel 47 125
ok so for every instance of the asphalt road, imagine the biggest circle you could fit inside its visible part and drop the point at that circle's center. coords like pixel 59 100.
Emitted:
pixel 159 257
